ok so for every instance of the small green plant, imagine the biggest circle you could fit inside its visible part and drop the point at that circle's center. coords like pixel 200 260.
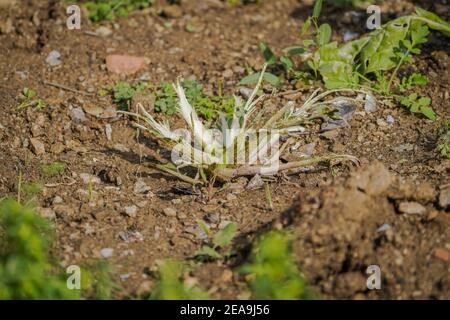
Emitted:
pixel 444 141
pixel 25 269
pixel 123 92
pixel 30 100
pixel 272 272
pixel 100 10
pixel 170 285
pixel 415 79
pixel 417 104
pixel 220 240
pixel 208 107
pixel 97 280
pixel 53 169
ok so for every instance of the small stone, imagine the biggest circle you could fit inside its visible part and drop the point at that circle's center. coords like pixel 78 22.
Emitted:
pixel 385 227
pixel 170 212
pixel 107 252
pixel 92 109
pixel 442 254
pixel 227 73
pixel 172 12
pixel 255 183
pixel 89 178
pixel 197 232
pixel 371 104
pixel 37 146
pixel 104 31
pixel 140 187
pixel 78 115
pixel 177 201
pixel 124 64
pixel 181 215
pixel 411 208
pixel 57 200
pixel 121 148
pixel 381 123
pixel 53 58
pixel 245 92
pixel 432 215
pixel 108 132
pixel 131 211
pixel 390 119
pixel 444 198
pixel 404 147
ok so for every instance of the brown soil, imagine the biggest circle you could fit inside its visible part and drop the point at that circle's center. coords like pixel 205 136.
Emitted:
pixel 334 214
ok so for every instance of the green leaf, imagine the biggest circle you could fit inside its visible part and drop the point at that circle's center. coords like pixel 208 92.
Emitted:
pixel 209 252
pixel 324 34
pixel 317 9
pixel 225 236
pixel 428 112
pixel 434 21
pixel 254 77
pixel 288 64
pixel 269 56
pixel 306 26
pixel 294 50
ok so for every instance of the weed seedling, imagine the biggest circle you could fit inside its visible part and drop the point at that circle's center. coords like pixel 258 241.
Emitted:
pixel 220 240
pixel 444 141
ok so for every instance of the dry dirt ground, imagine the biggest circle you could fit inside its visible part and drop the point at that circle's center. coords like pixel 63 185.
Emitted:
pixel 334 213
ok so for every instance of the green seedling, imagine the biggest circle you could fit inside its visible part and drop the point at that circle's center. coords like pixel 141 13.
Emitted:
pixel 123 93
pixel 26 271
pixel 220 240
pixel 417 104
pixel 415 79
pixel 170 285
pixel 53 169
pixel 100 10
pixel 30 100
pixel 272 272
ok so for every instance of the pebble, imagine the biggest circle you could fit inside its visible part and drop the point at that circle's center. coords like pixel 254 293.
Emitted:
pixel 57 200
pixel 255 183
pixel 172 12
pixel 371 104
pixel 107 252
pixel 245 92
pixel 89 178
pixel 124 64
pixel 37 146
pixel 104 31
pixel 140 187
pixel 444 198
pixel 78 115
pixel 390 119
pixel 92 109
pixel 442 254
pixel 411 208
pixel 108 132
pixel 197 232
pixel 227 73
pixel 385 227
pixel 381 123
pixel 170 212
pixel 53 58
pixel 177 201
pixel 131 211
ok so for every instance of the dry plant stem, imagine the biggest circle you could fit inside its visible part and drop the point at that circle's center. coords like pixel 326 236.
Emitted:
pixel 180 176
pixel 228 174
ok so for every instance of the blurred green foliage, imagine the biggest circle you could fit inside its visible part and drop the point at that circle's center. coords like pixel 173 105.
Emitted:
pixel 170 285
pixel 272 272
pixel 25 269
pixel 100 10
